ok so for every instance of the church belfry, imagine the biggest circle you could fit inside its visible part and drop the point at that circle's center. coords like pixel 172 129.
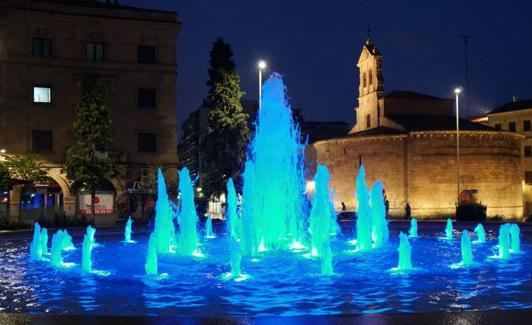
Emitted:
pixel 371 87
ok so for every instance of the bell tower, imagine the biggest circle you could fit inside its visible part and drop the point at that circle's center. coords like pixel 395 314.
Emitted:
pixel 369 112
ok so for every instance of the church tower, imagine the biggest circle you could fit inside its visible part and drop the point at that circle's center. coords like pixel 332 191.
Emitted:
pixel 369 113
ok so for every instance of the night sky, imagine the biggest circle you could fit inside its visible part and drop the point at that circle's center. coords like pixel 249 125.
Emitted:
pixel 315 45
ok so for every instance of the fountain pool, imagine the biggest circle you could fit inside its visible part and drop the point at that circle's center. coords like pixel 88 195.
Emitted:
pixel 280 282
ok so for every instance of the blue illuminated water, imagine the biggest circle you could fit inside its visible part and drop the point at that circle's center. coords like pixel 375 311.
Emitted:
pixel 279 283
pixel 187 218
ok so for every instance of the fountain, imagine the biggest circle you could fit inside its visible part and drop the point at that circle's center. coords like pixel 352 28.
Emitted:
pixel 504 241
pixel 516 241
pixel 86 253
pixel 36 252
pixel 413 227
pixel 59 243
pixel 164 228
pixel 405 253
pixel 465 245
pixel 187 238
pixel 326 258
pixel 233 220
pixel 151 256
pixel 128 231
pixel 449 229
pixel 274 214
pixel 379 225
pixel 481 234
pixel 68 244
pixel 321 218
pixel 91 232
pixel 235 258
pixel 44 241
pixel 364 222
pixel 208 227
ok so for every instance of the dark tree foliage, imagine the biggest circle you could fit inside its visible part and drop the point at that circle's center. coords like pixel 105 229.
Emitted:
pixel 87 163
pixel 224 141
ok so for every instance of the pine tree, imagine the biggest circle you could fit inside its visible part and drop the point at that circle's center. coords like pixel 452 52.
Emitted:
pixel 92 134
pixel 224 141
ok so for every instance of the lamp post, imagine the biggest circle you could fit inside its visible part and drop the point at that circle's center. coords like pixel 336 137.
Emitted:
pixel 457 92
pixel 262 66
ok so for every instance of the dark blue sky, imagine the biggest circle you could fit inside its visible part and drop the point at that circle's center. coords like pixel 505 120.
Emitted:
pixel 315 45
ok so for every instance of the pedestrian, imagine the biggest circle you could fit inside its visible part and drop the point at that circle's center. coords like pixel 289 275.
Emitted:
pixel 407 211
pixel 343 206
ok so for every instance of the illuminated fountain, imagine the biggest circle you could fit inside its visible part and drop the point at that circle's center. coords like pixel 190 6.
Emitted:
pixel 504 241
pixel 36 252
pixel 405 254
pixel 364 223
pixel 449 229
pixel 465 246
pixel 326 258
pixel 61 240
pixel 516 241
pixel 322 220
pixel 413 228
pixel 86 251
pixel 44 241
pixel 128 231
pixel 164 228
pixel 187 218
pixel 209 233
pixel 233 220
pixel 273 213
pixel 151 256
pixel 481 234
pixel 379 225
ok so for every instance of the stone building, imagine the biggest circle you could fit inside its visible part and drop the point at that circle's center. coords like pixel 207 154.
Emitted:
pixel 47 48
pixel 408 140
pixel 516 116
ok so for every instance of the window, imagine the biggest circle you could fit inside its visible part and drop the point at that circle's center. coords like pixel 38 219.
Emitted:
pixel 368 121
pixel 528 177
pixel 95 51
pixel 42 140
pixel 498 126
pixel 526 125
pixel 146 54
pixel 147 98
pixel 42 46
pixel 147 142
pixel 370 76
pixel 511 126
pixel 528 151
pixel 42 94
pixel 364 80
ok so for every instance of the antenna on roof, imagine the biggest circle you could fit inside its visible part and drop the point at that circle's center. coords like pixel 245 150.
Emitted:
pixel 369 30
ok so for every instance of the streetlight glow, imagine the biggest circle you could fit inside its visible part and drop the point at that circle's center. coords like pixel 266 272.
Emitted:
pixel 457 91
pixel 262 64
pixel 2 151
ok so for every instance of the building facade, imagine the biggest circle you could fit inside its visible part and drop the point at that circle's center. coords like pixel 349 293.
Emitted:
pixel 48 47
pixel 408 141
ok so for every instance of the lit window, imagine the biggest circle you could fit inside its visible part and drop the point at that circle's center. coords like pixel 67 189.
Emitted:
pixel 42 94
pixel 95 51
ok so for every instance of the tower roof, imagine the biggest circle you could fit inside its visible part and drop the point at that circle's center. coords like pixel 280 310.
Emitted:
pixel 370 46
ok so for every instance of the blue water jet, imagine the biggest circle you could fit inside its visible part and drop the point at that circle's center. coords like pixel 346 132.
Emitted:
pixel 60 242
pixel 504 241
pixel 465 247
pixel 232 217
pixel 481 234
pixel 235 258
pixel 326 258
pixel 364 222
pixel 379 226
pixel 322 220
pixel 164 229
pixel 405 253
pixel 187 218
pixel 516 241
pixel 449 229
pixel 413 227
pixel 209 233
pixel 275 169
pixel 36 252
pixel 128 231
pixel 86 252
pixel 151 256
pixel 44 241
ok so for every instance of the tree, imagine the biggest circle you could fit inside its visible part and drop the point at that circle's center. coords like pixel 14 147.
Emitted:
pixel 87 163
pixel 224 140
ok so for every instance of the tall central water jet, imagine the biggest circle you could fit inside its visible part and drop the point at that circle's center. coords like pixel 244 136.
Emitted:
pixel 465 245
pixel 187 218
pixel 164 229
pixel 322 220
pixel 86 251
pixel 274 180
pixel 231 212
pixel 128 231
pixel 379 225
pixel 364 224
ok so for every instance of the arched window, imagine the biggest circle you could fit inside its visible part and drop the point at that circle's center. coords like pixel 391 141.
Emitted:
pixel 368 121
pixel 364 80
pixel 370 77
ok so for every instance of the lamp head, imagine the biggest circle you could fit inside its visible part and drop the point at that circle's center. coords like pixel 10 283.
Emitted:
pixel 457 90
pixel 262 64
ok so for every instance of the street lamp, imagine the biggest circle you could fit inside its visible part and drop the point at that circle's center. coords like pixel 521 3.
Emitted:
pixel 457 92
pixel 262 66
pixel 2 151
